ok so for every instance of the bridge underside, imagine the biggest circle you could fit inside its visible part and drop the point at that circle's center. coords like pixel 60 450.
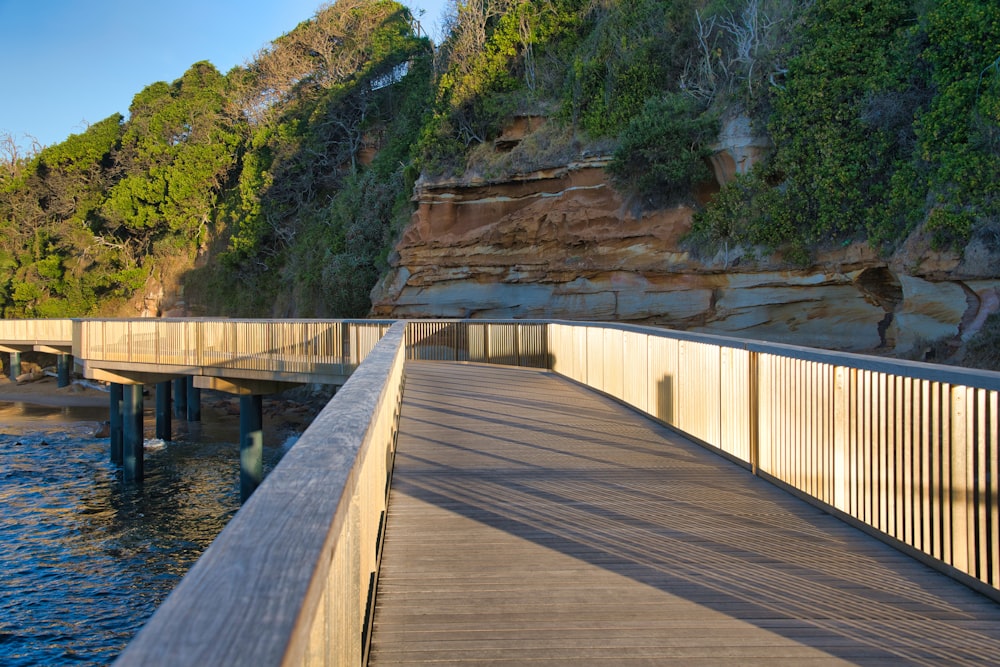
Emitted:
pixel 222 377
pixel 533 520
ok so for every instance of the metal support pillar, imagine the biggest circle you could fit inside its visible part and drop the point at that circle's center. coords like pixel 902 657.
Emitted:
pixel 163 425
pixel 115 424
pixel 132 418
pixel 180 396
pixel 15 365
pixel 63 363
pixel 251 444
pixel 193 401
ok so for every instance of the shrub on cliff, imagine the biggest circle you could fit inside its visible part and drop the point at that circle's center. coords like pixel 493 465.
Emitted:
pixel 886 117
pixel 663 150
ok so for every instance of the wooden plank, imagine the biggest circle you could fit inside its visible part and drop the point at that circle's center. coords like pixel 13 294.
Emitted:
pixel 530 519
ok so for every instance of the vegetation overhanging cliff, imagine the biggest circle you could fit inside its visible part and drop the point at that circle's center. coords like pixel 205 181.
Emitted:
pixel 855 145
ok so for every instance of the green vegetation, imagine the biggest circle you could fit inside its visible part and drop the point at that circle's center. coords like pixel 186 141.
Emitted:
pixel 664 148
pixel 291 177
pixel 887 119
pixel 362 84
pixel 259 169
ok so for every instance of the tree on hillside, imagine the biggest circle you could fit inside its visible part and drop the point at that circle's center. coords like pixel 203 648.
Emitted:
pixel 337 65
pixel 178 150
pixel 354 79
pixel 57 267
pixel 13 156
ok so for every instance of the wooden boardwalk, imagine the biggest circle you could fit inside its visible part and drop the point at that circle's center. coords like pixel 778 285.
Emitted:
pixel 532 520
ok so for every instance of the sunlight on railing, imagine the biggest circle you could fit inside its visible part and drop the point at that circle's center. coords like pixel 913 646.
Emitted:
pixel 288 347
pixel 52 332
pixel 291 578
pixel 905 448
pixel 909 450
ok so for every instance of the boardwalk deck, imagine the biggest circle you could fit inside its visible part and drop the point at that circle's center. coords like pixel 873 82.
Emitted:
pixel 531 520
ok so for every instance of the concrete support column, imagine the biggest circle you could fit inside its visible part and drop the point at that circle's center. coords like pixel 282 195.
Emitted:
pixel 115 425
pixel 15 365
pixel 163 425
pixel 63 364
pixel 193 401
pixel 251 444
pixel 180 396
pixel 132 418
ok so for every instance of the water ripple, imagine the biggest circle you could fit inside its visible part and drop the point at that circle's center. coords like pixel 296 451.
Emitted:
pixel 84 558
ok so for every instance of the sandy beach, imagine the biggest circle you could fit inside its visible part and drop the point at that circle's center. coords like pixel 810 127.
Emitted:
pixel 45 392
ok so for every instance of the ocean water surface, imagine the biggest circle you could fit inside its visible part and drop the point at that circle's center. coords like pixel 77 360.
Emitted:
pixel 85 559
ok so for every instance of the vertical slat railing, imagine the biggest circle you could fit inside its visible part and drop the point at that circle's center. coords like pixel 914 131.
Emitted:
pixel 55 331
pixel 265 346
pixel 908 450
pixel 512 343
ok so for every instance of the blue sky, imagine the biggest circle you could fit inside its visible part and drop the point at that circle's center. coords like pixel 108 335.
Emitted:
pixel 67 63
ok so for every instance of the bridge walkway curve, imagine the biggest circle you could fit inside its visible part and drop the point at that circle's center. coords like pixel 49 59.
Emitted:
pixel 533 520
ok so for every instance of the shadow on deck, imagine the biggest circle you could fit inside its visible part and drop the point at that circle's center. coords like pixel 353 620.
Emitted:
pixel 531 519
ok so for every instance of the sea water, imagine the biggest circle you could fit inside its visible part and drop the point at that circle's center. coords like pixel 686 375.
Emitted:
pixel 85 558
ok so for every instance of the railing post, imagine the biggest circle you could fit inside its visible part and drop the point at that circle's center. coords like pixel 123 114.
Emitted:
pixel 841 436
pixel 753 390
pixel 961 492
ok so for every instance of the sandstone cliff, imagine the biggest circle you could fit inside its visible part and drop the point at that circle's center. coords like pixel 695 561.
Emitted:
pixel 563 243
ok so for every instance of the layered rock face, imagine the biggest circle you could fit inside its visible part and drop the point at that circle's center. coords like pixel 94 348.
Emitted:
pixel 564 244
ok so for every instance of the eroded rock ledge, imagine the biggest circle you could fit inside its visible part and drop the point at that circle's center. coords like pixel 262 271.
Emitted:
pixel 564 244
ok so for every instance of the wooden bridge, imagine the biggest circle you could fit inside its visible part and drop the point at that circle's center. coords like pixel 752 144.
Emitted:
pixel 602 494
pixel 533 520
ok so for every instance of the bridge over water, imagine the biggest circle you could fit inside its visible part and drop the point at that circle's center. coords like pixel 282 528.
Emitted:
pixel 508 492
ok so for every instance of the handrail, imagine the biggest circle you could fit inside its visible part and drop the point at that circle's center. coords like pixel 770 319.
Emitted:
pixel 37 332
pixel 290 579
pixel 235 346
pixel 905 450
pixel 512 343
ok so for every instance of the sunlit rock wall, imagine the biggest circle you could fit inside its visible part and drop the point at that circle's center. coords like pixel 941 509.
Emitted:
pixel 564 244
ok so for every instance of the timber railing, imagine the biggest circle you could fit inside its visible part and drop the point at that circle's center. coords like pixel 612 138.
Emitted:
pixel 512 343
pixel 291 578
pixel 37 332
pixel 908 451
pixel 314 350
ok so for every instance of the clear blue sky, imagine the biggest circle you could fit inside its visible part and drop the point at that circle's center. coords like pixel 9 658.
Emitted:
pixel 66 63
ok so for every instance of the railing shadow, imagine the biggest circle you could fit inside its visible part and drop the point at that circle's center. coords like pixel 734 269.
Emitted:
pixel 547 461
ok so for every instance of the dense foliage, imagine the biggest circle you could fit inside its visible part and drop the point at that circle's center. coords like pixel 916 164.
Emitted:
pixel 887 119
pixel 260 169
pixel 285 181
